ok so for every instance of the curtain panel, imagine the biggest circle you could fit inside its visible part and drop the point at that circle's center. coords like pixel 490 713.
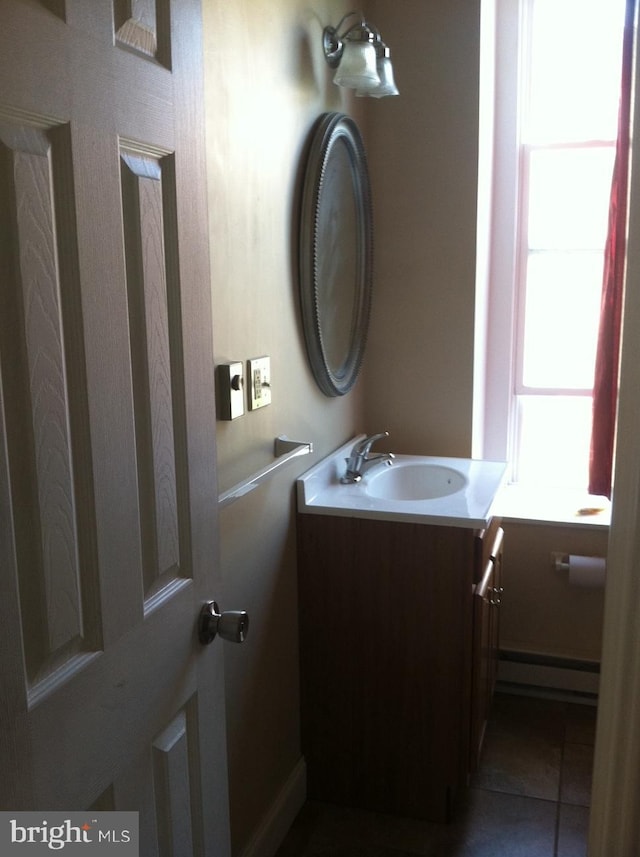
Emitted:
pixel 605 390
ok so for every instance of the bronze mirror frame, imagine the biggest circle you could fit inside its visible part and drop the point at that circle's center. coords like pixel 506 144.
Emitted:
pixel 336 253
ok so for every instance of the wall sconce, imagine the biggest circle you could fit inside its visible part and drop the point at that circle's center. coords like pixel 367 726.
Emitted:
pixel 360 57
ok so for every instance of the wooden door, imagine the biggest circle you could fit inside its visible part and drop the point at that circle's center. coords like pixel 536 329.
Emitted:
pixel 107 460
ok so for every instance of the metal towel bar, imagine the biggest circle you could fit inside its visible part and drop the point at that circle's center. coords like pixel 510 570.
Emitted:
pixel 285 450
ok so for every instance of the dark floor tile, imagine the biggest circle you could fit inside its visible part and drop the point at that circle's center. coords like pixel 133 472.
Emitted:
pixel 322 826
pixel 500 825
pixel 523 748
pixel 489 825
pixel 355 851
pixel 528 716
pixel 573 831
pixel 581 724
pixel 511 811
pixel 577 769
pixel 307 822
pixel 521 765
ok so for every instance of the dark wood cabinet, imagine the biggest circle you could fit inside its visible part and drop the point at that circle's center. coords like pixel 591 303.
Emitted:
pixel 387 639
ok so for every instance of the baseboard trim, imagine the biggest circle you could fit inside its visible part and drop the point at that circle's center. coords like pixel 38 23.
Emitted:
pixel 277 821
pixel 549 672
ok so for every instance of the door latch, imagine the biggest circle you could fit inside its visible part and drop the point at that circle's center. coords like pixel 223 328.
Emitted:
pixel 231 625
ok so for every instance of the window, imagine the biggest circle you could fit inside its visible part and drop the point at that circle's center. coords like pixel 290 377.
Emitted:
pixel 556 121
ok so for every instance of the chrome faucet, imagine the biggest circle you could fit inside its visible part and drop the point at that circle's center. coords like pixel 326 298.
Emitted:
pixel 361 458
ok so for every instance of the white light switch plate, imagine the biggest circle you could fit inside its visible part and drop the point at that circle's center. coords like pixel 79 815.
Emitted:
pixel 259 382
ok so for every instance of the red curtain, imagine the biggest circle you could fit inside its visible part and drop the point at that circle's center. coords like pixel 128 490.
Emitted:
pixel 605 389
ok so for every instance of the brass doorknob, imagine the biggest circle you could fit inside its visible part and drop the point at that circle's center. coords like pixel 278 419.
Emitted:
pixel 231 625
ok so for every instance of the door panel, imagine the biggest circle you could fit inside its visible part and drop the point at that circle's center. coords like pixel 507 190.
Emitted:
pixel 143 26
pixel 148 190
pixel 59 611
pixel 108 493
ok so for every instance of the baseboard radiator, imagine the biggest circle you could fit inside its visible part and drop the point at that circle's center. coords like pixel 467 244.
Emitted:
pixel 548 675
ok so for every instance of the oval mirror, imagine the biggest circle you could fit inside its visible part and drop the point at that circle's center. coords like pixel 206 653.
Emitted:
pixel 336 253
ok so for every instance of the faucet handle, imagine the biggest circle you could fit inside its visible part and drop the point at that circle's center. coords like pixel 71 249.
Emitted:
pixel 365 445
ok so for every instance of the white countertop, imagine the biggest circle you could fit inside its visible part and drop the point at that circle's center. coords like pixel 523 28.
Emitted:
pixel 320 492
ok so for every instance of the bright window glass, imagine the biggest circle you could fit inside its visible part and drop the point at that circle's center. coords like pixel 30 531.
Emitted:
pixel 574 69
pixel 569 109
pixel 561 320
pixel 553 437
pixel 569 197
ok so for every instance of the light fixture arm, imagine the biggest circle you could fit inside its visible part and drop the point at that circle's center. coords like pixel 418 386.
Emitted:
pixel 333 39
pixel 360 16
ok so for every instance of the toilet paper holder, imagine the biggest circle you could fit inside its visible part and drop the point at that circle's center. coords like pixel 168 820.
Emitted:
pixel 586 572
pixel 561 560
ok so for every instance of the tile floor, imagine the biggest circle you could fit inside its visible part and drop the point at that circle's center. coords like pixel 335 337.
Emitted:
pixel 530 797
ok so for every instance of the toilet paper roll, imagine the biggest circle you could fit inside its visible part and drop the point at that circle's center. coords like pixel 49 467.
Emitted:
pixel 587 571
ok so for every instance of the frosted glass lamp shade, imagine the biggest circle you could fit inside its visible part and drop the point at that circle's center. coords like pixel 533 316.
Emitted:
pixel 387 85
pixel 360 58
pixel 357 68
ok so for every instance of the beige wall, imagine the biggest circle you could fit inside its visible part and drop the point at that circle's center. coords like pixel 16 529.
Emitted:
pixel 541 611
pixel 423 156
pixel 266 84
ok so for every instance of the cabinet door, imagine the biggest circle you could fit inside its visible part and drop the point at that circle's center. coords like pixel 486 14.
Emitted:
pixel 385 648
pixel 486 621
pixel 494 615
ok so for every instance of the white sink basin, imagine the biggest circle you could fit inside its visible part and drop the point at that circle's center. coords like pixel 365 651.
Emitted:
pixel 415 488
pixel 410 480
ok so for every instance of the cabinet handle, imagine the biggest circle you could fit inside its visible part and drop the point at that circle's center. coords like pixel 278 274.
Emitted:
pixel 497 545
pixel 483 590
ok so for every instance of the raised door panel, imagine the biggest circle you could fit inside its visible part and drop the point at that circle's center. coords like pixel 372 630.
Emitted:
pixel 165 779
pixel 150 240
pixel 143 26
pixel 47 420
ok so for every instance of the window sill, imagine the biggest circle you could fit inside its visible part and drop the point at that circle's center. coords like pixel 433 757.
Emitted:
pixel 552 507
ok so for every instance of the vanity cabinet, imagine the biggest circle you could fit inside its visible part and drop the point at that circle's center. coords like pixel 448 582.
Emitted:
pixel 392 654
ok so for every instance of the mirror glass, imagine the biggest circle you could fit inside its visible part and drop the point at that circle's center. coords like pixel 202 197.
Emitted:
pixel 336 251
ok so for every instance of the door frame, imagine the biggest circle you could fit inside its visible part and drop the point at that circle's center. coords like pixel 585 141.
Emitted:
pixel 614 826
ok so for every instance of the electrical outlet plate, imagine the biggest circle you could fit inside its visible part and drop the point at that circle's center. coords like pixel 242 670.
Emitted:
pixel 259 381
pixel 230 391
